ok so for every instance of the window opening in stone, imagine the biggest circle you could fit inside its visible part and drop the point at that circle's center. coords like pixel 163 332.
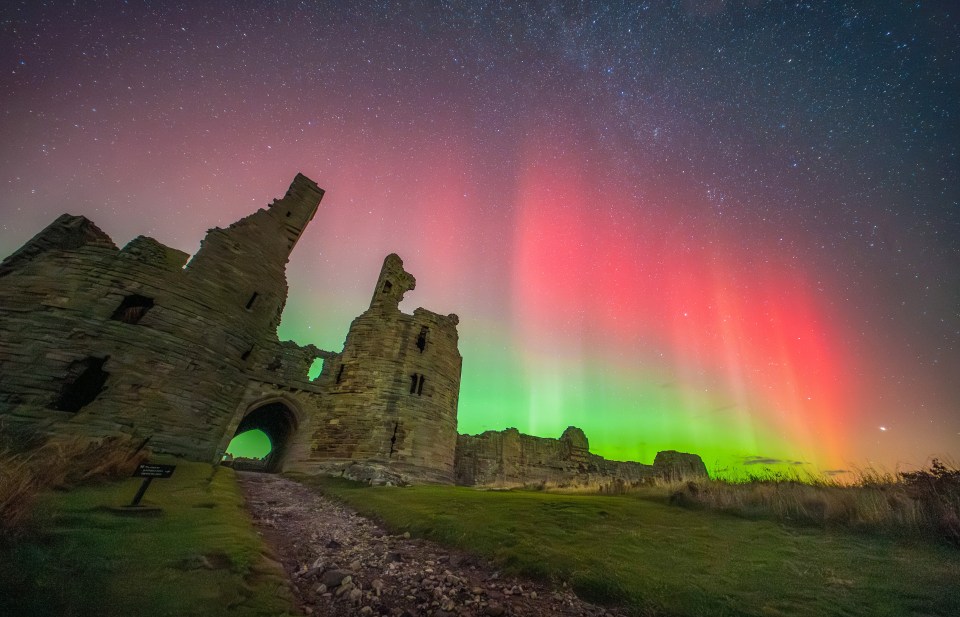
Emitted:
pixel 252 299
pixel 246 354
pixel 387 286
pixel 393 439
pixel 85 387
pixel 420 386
pixel 132 309
pixel 288 214
pixel 413 383
pixel 316 367
pixel 340 372
pixel 422 339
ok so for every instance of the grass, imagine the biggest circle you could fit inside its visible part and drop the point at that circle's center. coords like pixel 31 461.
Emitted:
pixel 201 556
pixel 924 503
pixel 71 556
pixel 31 465
pixel 662 560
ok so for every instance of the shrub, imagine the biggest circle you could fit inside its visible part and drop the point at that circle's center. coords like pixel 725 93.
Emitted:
pixel 937 490
pixel 924 502
pixel 59 464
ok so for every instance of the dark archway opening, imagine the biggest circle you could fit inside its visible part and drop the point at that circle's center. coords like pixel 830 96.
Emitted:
pixel 278 423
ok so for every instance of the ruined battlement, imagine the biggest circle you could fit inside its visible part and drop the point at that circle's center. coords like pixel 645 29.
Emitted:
pixel 392 284
pixel 148 342
pixel 394 391
pixel 510 458
pixel 98 340
pixel 66 233
pixel 150 252
pixel 101 341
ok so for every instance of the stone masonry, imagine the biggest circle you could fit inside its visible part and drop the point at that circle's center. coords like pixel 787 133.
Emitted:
pixel 391 394
pixel 98 341
pixel 510 458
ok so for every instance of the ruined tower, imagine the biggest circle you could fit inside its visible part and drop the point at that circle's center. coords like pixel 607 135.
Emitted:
pixel 99 341
pixel 247 261
pixel 392 396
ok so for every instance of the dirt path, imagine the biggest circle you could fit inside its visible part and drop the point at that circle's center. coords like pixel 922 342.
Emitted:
pixel 341 563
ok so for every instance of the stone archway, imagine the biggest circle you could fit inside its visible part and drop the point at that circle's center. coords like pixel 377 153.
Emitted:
pixel 279 422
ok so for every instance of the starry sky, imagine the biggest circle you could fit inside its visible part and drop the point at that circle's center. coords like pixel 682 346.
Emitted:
pixel 726 227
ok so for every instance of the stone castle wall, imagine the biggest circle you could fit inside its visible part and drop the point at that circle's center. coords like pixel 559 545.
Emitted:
pixel 150 345
pixel 169 341
pixel 392 392
pixel 97 341
pixel 510 458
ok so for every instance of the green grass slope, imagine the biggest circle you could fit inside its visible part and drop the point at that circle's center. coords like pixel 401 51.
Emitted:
pixel 201 556
pixel 663 560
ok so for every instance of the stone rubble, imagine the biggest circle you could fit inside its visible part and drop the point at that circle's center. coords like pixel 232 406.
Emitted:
pixel 343 564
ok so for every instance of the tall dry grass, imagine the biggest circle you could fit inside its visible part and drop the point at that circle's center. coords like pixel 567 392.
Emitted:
pixel 925 502
pixel 26 472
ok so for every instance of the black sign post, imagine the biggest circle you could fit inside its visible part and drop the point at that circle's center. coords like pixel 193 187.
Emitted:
pixel 149 471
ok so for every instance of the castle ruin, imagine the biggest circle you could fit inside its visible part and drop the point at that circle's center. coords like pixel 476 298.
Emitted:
pixel 98 341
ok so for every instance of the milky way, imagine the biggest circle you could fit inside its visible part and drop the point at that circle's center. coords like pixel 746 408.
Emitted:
pixel 722 227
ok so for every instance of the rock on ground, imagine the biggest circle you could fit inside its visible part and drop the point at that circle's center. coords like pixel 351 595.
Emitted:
pixel 343 564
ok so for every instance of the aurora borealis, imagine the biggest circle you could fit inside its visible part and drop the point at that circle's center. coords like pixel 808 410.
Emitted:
pixel 730 228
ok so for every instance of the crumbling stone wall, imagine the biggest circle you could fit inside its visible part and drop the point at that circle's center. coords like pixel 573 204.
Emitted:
pixel 392 393
pixel 510 458
pixel 169 345
pixel 277 378
pixel 97 340
pixel 142 342
pixel 673 465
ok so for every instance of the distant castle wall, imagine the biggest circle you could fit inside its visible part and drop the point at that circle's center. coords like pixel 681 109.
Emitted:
pixel 510 458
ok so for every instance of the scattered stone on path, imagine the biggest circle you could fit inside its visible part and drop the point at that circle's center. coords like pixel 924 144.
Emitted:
pixel 333 578
pixel 342 564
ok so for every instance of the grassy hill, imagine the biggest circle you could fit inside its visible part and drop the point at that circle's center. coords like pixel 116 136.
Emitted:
pixel 201 556
pixel 665 560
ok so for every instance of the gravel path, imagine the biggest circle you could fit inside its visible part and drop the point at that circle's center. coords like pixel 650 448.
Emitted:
pixel 341 563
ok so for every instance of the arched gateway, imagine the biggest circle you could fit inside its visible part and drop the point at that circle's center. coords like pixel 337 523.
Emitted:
pixel 279 422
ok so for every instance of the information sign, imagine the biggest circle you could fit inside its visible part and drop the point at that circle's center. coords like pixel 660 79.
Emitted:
pixel 153 470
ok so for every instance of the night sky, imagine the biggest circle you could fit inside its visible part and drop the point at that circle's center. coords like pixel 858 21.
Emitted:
pixel 730 228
